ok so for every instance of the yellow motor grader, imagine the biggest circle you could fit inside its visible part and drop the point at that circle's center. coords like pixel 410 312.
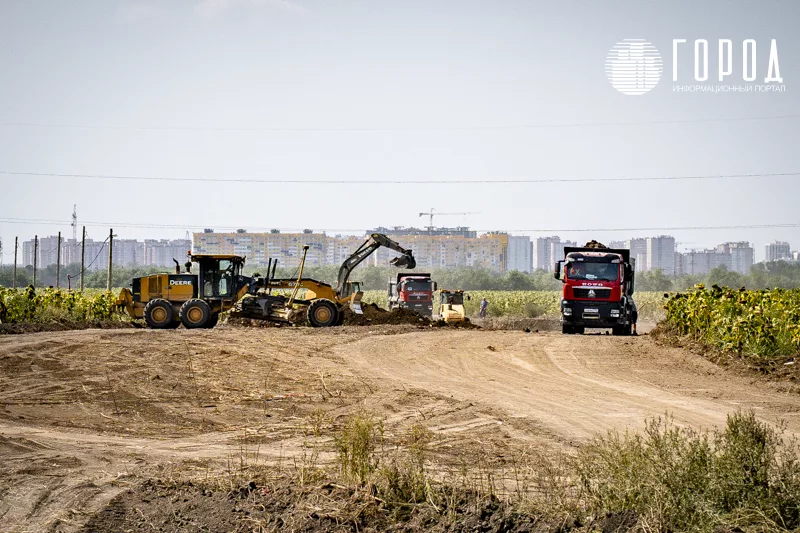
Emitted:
pixel 196 300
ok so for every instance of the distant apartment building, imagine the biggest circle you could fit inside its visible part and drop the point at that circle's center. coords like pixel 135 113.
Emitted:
pixel 616 244
pixel 742 256
pixel 778 250
pixel 46 254
pixel 127 252
pixel 258 248
pixel 162 252
pixel 701 262
pixel 542 252
pixel 520 254
pixel 638 248
pixel 557 250
pixel 444 248
pixel 489 251
pixel 661 254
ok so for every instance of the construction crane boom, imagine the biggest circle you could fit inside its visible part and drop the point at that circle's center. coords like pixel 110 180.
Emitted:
pixel 432 212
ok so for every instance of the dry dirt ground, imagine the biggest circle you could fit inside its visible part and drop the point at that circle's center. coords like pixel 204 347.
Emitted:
pixel 86 415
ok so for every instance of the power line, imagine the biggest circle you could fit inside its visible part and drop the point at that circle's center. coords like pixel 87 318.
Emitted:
pixel 402 182
pixel 475 127
pixel 518 230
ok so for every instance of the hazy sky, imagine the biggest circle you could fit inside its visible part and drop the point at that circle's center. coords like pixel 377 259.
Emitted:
pixel 390 90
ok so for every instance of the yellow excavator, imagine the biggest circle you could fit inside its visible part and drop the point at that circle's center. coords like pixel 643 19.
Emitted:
pixel 196 300
pixel 450 307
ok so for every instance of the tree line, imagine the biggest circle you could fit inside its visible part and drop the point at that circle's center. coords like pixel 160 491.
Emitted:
pixel 778 274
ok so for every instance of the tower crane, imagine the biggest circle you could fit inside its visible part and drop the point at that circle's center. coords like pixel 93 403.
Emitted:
pixel 431 213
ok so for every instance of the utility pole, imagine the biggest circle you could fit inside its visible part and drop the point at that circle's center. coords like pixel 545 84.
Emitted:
pixel 83 252
pixel 35 257
pixel 110 257
pixel 58 263
pixel 14 278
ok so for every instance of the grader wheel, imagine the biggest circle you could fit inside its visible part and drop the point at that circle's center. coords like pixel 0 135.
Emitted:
pixel 159 314
pixel 195 313
pixel 323 313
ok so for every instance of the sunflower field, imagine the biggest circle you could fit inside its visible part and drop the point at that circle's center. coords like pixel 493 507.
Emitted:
pixel 531 304
pixel 40 305
pixel 762 326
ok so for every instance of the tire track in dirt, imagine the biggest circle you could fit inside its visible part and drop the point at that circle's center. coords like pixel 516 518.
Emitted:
pixel 574 386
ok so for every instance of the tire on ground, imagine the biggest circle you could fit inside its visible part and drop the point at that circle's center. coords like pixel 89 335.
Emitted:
pixel 567 329
pixel 195 313
pixel 340 317
pixel 214 321
pixel 159 314
pixel 322 313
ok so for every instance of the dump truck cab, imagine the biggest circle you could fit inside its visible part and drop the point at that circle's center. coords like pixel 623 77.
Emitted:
pixel 598 289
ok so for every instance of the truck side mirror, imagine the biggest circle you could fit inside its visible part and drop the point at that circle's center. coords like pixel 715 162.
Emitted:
pixel 435 286
pixel 469 297
pixel 557 269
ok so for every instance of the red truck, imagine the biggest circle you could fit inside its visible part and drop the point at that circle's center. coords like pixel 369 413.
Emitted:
pixel 412 291
pixel 598 289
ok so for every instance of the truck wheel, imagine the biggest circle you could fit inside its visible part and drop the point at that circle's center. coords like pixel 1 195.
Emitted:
pixel 159 314
pixel 195 313
pixel 567 330
pixel 322 313
pixel 618 330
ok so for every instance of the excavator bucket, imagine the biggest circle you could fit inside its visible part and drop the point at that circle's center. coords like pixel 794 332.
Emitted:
pixel 404 261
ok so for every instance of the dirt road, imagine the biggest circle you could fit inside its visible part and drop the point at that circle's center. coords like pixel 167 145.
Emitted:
pixel 85 414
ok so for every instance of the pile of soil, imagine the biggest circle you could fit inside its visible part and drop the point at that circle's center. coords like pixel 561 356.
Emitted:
pixel 165 506
pixel 467 324
pixel 374 315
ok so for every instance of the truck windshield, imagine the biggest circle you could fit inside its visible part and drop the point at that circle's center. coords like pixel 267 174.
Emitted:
pixel 418 286
pixel 593 271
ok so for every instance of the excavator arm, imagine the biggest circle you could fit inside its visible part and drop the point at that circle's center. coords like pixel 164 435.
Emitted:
pixel 375 241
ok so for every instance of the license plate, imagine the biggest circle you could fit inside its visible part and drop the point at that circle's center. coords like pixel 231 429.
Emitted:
pixel 591 310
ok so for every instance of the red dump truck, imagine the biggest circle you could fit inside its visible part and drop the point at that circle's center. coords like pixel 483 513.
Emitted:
pixel 412 291
pixel 598 289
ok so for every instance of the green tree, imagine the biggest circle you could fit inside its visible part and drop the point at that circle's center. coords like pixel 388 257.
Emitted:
pixel 654 280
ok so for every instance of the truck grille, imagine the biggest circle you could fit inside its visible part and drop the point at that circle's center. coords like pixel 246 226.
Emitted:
pixel 586 292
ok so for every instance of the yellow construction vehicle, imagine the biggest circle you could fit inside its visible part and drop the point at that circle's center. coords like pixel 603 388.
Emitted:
pixel 196 300
pixel 451 306
pixel 167 300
